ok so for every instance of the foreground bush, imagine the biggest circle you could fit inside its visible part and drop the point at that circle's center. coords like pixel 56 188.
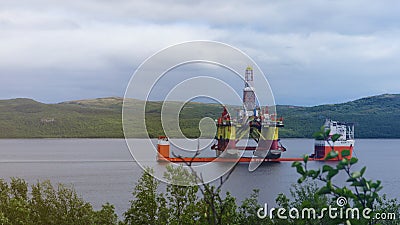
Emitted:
pixel 205 204
pixel 44 204
pixel 187 204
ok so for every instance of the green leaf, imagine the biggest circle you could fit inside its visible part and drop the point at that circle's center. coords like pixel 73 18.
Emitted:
pixel 376 184
pixel 300 170
pixel 362 171
pixel 351 179
pixel 305 158
pixel 353 161
pixel 335 137
pixel 313 173
pixel 326 134
pixel 357 184
pixel 345 153
pixel 322 134
pixel 301 179
pixel 296 164
pixel 326 168
pixel 356 174
pixel 367 186
pixel 332 154
pixel 316 174
pixel 332 173
pixel 318 136
pixel 340 166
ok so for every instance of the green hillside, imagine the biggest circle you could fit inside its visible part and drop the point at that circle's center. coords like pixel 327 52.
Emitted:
pixel 374 117
pixel 26 118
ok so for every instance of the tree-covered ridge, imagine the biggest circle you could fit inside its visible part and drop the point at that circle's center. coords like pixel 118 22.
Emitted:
pixel 26 118
pixel 374 117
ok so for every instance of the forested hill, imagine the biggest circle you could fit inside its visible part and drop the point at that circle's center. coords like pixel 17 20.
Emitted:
pixel 374 117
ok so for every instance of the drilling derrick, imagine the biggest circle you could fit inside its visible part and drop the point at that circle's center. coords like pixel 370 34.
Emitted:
pixel 249 98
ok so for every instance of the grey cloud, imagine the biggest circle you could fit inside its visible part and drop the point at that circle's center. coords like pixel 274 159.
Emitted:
pixel 91 48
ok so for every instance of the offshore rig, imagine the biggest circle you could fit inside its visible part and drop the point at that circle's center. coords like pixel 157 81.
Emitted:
pixel 253 132
pixel 254 129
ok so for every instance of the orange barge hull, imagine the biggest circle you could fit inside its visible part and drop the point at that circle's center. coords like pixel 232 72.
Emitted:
pixel 220 159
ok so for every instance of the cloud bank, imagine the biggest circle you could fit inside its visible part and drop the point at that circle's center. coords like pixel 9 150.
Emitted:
pixel 312 52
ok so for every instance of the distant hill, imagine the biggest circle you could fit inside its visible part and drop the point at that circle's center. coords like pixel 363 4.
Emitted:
pixel 374 117
pixel 26 118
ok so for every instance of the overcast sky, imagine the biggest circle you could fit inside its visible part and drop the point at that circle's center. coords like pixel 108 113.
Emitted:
pixel 312 52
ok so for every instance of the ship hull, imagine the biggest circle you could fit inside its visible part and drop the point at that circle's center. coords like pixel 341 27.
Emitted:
pixel 323 148
pixel 274 154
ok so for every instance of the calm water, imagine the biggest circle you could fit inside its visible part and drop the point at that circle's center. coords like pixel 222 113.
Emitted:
pixel 102 170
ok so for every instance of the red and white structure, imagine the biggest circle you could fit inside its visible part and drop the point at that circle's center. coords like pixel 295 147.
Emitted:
pixel 344 142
